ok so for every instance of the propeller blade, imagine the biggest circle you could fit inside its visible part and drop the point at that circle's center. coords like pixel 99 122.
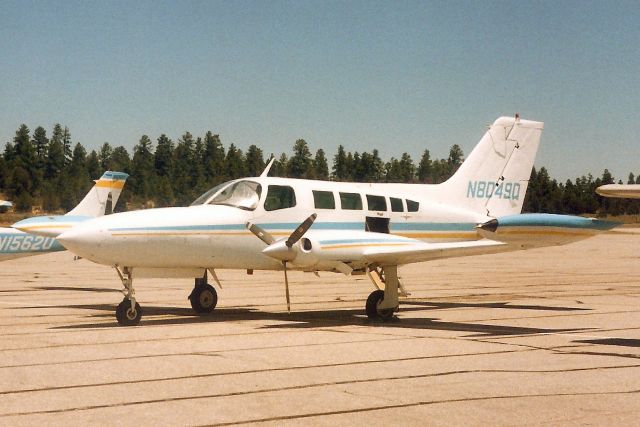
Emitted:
pixel 299 232
pixel 286 287
pixel 260 233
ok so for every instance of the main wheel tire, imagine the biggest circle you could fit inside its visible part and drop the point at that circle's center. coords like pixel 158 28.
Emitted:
pixel 386 314
pixel 371 307
pixel 203 299
pixel 126 316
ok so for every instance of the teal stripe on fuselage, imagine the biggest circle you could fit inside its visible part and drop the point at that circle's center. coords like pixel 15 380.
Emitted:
pixel 52 219
pixel 433 226
pixel 358 226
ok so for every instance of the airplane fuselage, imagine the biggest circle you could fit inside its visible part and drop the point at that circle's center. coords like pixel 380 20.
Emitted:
pixel 214 235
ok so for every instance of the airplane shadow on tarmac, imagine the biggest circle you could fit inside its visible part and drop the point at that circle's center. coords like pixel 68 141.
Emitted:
pixel 333 318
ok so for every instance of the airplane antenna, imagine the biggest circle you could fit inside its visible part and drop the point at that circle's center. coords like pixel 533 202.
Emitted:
pixel 266 170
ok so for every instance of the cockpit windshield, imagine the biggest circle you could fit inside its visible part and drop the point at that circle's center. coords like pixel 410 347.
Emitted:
pixel 207 195
pixel 240 194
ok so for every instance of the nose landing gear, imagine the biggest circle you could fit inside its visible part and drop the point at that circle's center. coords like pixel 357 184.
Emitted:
pixel 128 312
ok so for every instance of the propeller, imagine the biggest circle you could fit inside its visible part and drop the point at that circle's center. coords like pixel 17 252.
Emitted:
pixel 275 249
pixel 260 233
pixel 299 232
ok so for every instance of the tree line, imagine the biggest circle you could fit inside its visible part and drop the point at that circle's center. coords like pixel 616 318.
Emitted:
pixel 55 173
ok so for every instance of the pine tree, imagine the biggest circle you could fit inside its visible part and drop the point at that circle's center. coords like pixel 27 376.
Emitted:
pixel 214 169
pixel 163 159
pixel 78 179
pixel 425 168
pixel 55 155
pixel 198 179
pixel 23 164
pixel 340 171
pixel 41 145
pixel 255 161
pixel 183 168
pixel 279 167
pixel 456 157
pixel 235 163
pixel 120 160
pixel 320 166
pixel 66 144
pixel 300 163
pixel 407 168
pixel 142 169
pixel 93 165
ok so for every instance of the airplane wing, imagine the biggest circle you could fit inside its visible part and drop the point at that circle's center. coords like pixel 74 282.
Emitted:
pixel 622 191
pixel 328 247
pixel 421 251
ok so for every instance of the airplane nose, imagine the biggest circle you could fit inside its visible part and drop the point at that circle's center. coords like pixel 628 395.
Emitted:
pixel 80 240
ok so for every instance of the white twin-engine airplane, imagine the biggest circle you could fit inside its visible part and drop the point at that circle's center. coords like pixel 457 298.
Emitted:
pixel 266 223
pixel 16 243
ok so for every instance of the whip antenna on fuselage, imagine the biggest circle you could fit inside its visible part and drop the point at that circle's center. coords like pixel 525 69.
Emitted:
pixel 266 170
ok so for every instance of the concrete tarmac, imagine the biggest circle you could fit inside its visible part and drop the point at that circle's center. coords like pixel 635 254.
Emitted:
pixel 548 336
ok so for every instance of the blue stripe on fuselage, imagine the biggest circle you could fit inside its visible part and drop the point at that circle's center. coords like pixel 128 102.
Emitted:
pixel 359 226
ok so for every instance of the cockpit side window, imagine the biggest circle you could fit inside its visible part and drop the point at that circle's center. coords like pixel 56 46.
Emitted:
pixel 279 197
pixel 241 194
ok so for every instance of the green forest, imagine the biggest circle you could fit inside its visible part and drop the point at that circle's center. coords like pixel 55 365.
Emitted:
pixel 50 171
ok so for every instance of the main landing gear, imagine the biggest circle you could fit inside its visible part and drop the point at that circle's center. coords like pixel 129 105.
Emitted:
pixel 128 312
pixel 381 304
pixel 203 297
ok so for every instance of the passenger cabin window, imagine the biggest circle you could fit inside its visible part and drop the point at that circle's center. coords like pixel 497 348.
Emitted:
pixel 376 203
pixel 279 197
pixel 350 201
pixel 412 206
pixel 396 205
pixel 324 199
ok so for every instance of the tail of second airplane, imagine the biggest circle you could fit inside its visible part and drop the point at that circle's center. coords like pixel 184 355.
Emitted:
pixel 493 179
pixel 99 200
pixel 102 198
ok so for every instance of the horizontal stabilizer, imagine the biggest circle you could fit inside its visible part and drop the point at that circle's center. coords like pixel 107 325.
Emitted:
pixel 538 230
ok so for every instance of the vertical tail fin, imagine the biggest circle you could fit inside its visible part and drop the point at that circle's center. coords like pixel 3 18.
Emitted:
pixel 103 196
pixel 493 179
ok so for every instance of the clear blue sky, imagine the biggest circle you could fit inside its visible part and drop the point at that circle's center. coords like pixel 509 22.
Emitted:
pixel 395 75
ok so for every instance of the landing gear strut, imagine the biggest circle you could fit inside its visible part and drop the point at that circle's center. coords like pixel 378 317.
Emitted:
pixel 128 312
pixel 381 304
pixel 203 297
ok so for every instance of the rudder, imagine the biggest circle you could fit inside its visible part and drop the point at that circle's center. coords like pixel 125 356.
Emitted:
pixel 493 179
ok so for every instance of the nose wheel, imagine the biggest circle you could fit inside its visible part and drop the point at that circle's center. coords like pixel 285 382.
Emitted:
pixel 128 312
pixel 128 315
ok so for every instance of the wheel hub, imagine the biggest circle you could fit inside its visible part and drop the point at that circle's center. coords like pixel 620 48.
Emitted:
pixel 206 299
